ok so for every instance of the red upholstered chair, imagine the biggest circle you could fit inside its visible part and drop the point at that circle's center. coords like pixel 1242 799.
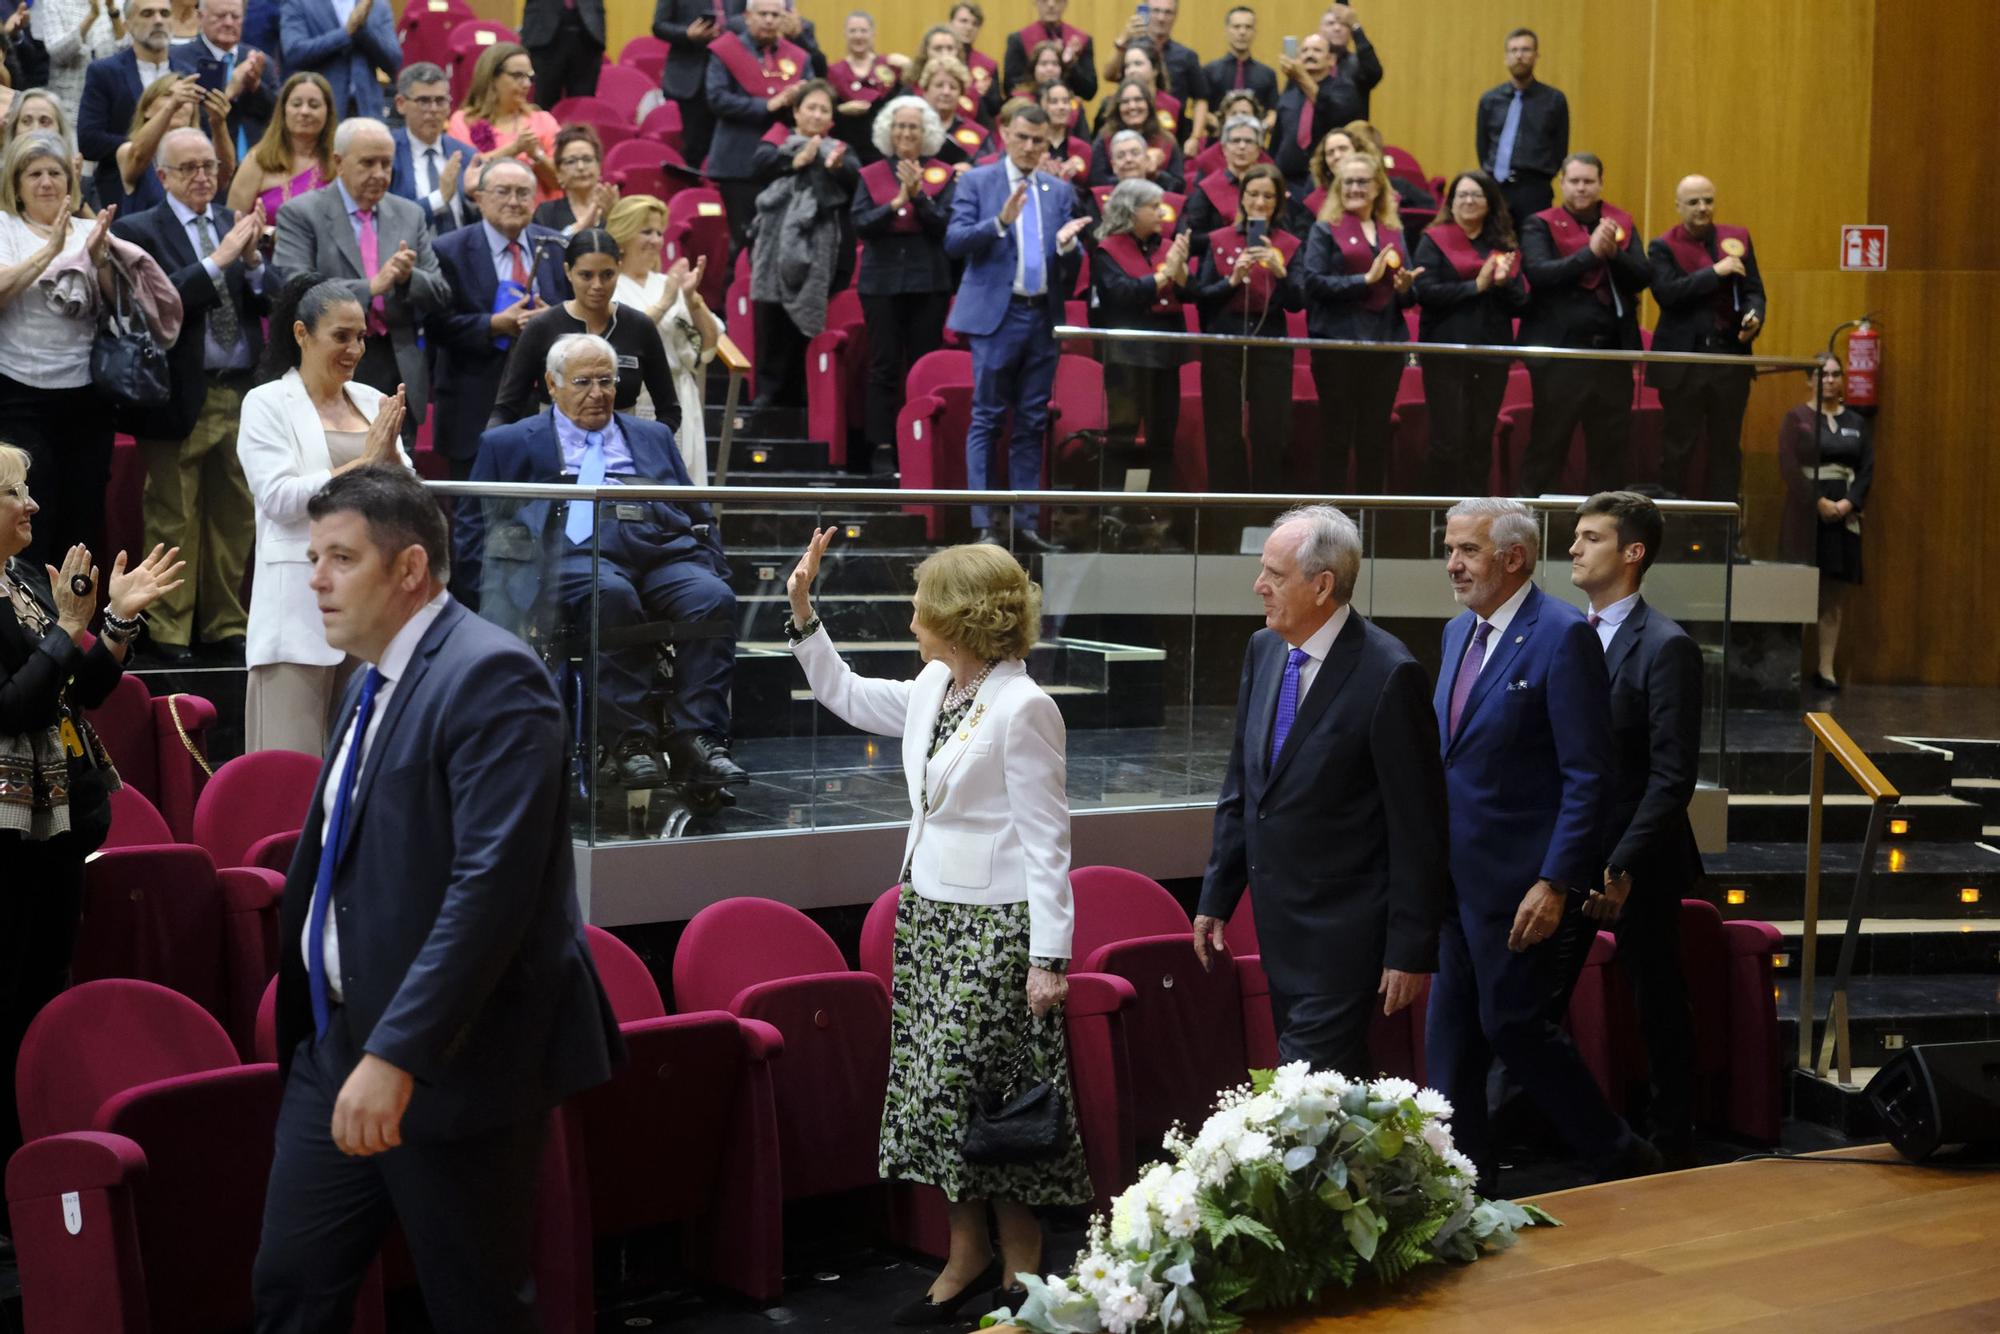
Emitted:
pixel 1402 163
pixel 135 821
pixel 143 737
pixel 102 1037
pixel 273 852
pixel 625 88
pixel 591 111
pixel 837 375
pixel 1077 401
pixel 251 798
pixel 1594 1025
pixel 686 1132
pixel 931 427
pixel 640 168
pixel 707 235
pixel 739 315
pixel 466 42
pixel 663 125
pixel 647 54
pixel 425 31
pixel 124 500
pixel 760 959
pixel 1738 1088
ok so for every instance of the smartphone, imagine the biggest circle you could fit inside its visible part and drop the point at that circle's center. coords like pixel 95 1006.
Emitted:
pixel 1145 13
pixel 1292 48
pixel 212 75
pixel 1258 231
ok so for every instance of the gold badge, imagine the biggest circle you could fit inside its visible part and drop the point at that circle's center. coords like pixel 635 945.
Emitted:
pixel 787 66
pixel 967 105
pixel 1620 230
pixel 1388 162
pixel 1166 119
pixel 885 74
pixel 936 175
pixel 968 136
pixel 1393 259
pixel 1732 247
pixel 982 77
pixel 1167 213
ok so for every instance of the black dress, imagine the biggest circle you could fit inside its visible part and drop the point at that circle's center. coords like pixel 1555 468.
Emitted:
pixel 1846 469
pixel 642 363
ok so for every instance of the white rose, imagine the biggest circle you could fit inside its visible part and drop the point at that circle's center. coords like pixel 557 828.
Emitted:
pixel 1438 1135
pixel 1251 1146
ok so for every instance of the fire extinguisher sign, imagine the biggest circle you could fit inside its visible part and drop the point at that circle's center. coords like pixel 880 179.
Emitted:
pixel 1864 248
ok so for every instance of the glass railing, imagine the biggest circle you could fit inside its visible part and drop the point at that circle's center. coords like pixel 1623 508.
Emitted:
pixel 1147 606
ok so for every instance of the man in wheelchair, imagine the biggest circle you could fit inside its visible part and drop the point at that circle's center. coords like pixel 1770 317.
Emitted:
pixel 530 565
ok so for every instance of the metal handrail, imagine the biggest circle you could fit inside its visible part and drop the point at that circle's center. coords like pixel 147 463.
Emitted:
pixel 1490 351
pixel 1830 738
pixel 738 366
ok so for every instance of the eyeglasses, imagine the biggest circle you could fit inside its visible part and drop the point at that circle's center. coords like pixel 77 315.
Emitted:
pixel 522 74
pixel 189 170
pixel 578 160
pixel 429 103
pixel 508 191
pixel 608 383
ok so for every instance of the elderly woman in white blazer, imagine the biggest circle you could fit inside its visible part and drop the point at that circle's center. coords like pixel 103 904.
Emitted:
pixel 984 921
pixel 312 422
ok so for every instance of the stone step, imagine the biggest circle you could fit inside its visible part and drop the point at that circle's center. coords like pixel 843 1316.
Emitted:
pixel 1886 1015
pixel 1953 882
pixel 1787 769
pixel 1783 817
pixel 767 530
pixel 1897 946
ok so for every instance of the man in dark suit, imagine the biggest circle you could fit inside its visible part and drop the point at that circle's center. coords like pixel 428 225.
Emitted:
pixel 472 334
pixel 347 45
pixel 688 26
pixel 1711 299
pixel 1015 230
pixel 195 497
pixel 753 80
pixel 1079 55
pixel 222 59
pixel 1653 861
pixel 1521 130
pixel 650 561
pixel 565 38
pixel 430 164
pixel 112 88
pixel 1586 275
pixel 436 996
pixel 1240 69
pixel 260 29
pixel 1333 803
pixel 1524 711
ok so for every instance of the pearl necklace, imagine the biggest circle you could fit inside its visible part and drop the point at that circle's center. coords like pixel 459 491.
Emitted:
pixel 959 696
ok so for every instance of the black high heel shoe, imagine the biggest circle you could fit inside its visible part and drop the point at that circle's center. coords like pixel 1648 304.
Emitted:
pixel 924 1311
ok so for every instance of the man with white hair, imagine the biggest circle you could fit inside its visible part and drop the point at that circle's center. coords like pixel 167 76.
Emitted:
pixel 609 567
pixel 379 243
pixel 1523 708
pixel 112 88
pixel 1333 804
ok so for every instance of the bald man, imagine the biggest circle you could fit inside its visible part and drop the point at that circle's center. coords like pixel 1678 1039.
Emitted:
pixel 1711 300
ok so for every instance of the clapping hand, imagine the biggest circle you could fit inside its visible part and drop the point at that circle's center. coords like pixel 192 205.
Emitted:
pixel 1488 272
pixel 385 432
pixel 74 609
pixel 1069 231
pixel 1177 257
pixel 359 16
pixel 395 271
pixel 798 586
pixel 454 164
pixel 1604 239
pixel 807 152
pixel 239 239
pixel 909 176
pixel 1011 210
pixel 836 155
pixel 99 241
pixel 1503 265
pixel 132 591
pixel 1405 279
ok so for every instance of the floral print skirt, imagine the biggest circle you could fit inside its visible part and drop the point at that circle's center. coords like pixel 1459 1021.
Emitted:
pixel 959 1018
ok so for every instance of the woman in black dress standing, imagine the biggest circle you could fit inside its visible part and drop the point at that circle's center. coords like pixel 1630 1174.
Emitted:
pixel 1826 453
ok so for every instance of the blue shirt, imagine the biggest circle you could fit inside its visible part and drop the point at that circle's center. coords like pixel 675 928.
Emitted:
pixel 617 454
pixel 354 221
pixel 1612 617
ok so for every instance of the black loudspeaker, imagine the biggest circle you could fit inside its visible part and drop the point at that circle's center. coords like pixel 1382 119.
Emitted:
pixel 1938 1094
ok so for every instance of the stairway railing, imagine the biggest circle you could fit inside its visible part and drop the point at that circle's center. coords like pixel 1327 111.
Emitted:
pixel 1830 738
pixel 738 366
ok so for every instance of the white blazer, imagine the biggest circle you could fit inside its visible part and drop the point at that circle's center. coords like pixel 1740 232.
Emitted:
pixel 285 461
pixel 998 826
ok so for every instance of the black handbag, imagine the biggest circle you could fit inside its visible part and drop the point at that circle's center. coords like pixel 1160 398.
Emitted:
pixel 89 789
pixel 127 364
pixel 1015 1125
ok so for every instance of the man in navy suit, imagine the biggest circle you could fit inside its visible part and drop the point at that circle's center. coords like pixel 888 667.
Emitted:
pixel 651 560
pixel 1333 803
pixel 346 41
pixel 430 164
pixel 112 87
pixel 565 39
pixel 196 498
pixel 471 336
pixel 1524 711
pixel 245 74
pixel 436 996
pixel 1014 228
pixel 1652 862
pixel 688 26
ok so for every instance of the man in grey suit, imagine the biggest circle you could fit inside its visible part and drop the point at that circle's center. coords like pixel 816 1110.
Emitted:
pixel 565 39
pixel 380 244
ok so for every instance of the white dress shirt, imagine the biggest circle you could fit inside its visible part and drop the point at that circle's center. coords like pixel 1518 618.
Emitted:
pixel 1318 644
pixel 150 70
pixel 1502 617
pixel 427 165
pixel 395 661
pixel 1612 617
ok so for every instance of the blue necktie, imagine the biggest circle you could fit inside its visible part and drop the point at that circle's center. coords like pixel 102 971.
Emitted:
pixel 1034 278
pixel 1288 701
pixel 1503 156
pixel 583 513
pixel 329 853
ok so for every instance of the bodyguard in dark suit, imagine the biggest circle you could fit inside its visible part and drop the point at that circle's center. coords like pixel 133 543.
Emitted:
pixel 474 332
pixel 1522 130
pixel 565 39
pixel 430 167
pixel 222 58
pixel 195 496
pixel 112 87
pixel 436 997
pixel 1333 807
pixel 688 26
pixel 1524 711
pixel 1652 862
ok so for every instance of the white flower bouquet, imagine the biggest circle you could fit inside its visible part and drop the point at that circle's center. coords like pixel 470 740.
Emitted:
pixel 1301 1180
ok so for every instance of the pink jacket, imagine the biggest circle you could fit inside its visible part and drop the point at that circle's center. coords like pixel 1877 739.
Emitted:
pixel 70 287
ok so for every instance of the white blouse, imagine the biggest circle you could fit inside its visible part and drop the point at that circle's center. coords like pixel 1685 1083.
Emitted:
pixel 37 346
pixel 685 358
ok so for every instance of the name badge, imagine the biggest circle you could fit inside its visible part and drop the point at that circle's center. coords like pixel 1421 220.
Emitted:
pixel 628 363
pixel 627 511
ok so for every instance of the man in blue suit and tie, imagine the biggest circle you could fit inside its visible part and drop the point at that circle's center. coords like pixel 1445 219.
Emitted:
pixel 1014 227
pixel 112 87
pixel 245 74
pixel 430 164
pixel 1524 714
pixel 624 565
pixel 436 996
pixel 346 41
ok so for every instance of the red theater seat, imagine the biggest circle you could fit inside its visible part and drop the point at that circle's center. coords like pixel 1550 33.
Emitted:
pixel 159 746
pixel 251 798
pixel 640 168
pixel 663 125
pixel 931 428
pixel 837 375
pixel 625 88
pixel 467 40
pixel 425 32
pixel 135 821
pixel 647 54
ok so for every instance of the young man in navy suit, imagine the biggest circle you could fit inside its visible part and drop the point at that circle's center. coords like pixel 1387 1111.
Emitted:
pixel 430 164
pixel 1014 228
pixel 1524 713
pixel 1652 862
pixel 436 996
pixel 112 88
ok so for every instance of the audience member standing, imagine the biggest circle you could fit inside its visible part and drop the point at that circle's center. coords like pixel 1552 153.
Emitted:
pixel 196 499
pixel 499 274
pixel 174 102
pixel 378 245
pixel 1711 299
pixel 1523 708
pixel 1354 71
pixel 1826 456
pixel 310 421
pixel 1357 281
pixel 1137 280
pixel 1522 130
pixel 862 79
pixel 1213 200
pixel 1079 57
pixel 689 28
pixel 565 38
pixel 430 164
pixel 900 213
pixel 1013 226
pixel 754 81
pixel 1301 123
pixel 1247 283
pixel 36 111
pixel 1469 288
pixel 1180 67
pixel 1586 274
pixel 246 74
pixel 347 42
pixel 1652 862
pixel 295 156
pixel 671 299
pixel 966 20
pixel 1332 803
pixel 46 398
pixel 75 33
pixel 499 118
pixel 1132 110
pixel 113 86
pixel 1240 69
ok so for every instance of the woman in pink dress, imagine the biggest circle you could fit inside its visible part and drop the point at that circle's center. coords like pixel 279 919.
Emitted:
pixel 499 118
pixel 296 153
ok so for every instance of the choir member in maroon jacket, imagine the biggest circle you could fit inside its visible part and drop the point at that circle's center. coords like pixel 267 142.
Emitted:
pixel 1140 63
pixel 1132 160
pixel 1586 274
pixel 1069 156
pixel 1137 280
pixel 1469 289
pixel 1245 284
pixel 1357 280
pixel 1079 56
pixel 966 20
pixel 942 81
pixel 1213 197
pixel 861 80
pixel 1209 159
pixel 1132 109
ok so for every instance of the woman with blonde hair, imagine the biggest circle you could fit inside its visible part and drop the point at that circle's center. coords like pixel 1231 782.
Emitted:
pixel 498 119
pixel 984 920
pixel 175 102
pixel 671 299
pixel 37 111
pixel 295 154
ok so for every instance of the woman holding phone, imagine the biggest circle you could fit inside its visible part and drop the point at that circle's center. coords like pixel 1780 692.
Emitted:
pixel 1243 289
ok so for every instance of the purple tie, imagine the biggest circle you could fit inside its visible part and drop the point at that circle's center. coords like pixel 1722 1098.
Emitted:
pixel 1468 672
pixel 1288 701
pixel 1593 618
